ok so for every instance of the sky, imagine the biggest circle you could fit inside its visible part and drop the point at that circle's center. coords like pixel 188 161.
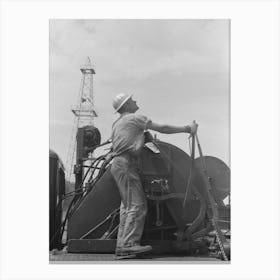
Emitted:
pixel 177 70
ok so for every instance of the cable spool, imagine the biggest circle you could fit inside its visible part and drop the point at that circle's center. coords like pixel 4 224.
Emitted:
pixel 219 176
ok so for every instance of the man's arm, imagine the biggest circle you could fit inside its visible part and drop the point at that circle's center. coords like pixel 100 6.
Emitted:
pixel 170 129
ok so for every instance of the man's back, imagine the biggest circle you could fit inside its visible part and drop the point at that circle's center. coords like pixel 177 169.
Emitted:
pixel 128 133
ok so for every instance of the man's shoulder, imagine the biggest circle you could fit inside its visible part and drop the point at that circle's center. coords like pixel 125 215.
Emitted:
pixel 131 119
pixel 132 116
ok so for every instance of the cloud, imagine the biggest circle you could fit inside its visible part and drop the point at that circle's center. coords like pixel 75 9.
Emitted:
pixel 85 24
pixel 60 123
pixel 138 49
pixel 177 69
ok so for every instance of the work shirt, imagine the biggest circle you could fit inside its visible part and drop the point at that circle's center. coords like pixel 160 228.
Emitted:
pixel 128 134
pixel 128 140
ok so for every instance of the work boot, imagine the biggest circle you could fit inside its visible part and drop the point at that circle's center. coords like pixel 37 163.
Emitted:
pixel 135 249
pixel 122 256
pixel 131 252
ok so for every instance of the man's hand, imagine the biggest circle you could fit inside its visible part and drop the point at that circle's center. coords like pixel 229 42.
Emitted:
pixel 193 127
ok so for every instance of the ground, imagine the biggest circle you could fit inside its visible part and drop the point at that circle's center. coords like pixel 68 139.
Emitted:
pixel 62 257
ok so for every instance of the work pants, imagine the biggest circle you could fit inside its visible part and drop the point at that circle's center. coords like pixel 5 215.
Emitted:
pixel 133 208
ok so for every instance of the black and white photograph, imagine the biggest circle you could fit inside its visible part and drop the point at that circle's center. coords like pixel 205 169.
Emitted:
pixel 139 140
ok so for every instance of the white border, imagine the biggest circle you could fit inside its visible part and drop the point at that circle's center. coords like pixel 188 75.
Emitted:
pixel 254 128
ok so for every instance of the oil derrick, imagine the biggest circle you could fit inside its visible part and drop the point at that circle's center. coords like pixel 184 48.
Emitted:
pixel 84 136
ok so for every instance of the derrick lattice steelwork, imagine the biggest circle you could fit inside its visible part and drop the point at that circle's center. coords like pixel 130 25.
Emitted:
pixel 84 113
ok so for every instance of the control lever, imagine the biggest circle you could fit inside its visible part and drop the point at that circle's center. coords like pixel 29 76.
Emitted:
pixel 158 221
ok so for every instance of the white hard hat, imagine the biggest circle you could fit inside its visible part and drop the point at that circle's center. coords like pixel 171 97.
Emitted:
pixel 120 100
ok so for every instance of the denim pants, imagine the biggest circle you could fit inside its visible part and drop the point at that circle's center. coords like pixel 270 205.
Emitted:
pixel 133 208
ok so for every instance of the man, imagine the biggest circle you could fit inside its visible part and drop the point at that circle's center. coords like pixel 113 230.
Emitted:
pixel 127 143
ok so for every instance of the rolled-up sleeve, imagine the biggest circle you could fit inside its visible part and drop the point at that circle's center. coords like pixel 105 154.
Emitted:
pixel 141 121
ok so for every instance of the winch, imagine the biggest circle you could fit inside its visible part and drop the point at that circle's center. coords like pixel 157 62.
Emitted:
pixel 185 202
pixel 156 187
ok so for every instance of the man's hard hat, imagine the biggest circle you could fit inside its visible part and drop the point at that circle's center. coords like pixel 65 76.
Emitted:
pixel 120 100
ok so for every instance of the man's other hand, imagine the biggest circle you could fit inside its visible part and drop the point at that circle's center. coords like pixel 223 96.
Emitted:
pixel 193 127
